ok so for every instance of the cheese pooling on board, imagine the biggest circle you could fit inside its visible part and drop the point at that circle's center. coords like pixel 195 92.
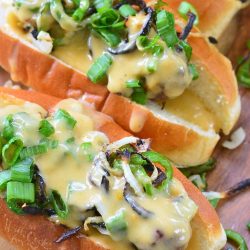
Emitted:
pixel 133 49
pixel 114 192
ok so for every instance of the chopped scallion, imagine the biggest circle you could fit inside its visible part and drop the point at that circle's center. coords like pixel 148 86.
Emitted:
pixel 111 38
pixel 194 72
pixel 186 7
pixel 187 49
pixel 81 10
pixel 133 83
pixel 45 128
pixel 20 192
pixel 139 96
pixel 59 205
pixel 64 115
pixel 5 177
pixel 8 128
pixel 11 151
pixel 34 150
pixel 99 68
pixel 166 28
pixel 126 10
pixel 22 171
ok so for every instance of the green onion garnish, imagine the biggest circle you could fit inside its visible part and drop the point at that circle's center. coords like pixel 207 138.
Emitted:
pixel 34 150
pixel 243 74
pixel 214 202
pixel 102 4
pixel 99 68
pixel 139 96
pixel 248 226
pixel 186 7
pixel 64 115
pixel 87 148
pixel 8 128
pixel 5 177
pixel 11 151
pixel 126 10
pixel 166 28
pixel 59 205
pixel 194 72
pixel 45 128
pixel 22 171
pixel 133 84
pixel 20 192
pixel 237 238
pixel 117 224
pixel 50 144
pixel 112 39
pixel 187 49
pixel 81 10
pixel 143 43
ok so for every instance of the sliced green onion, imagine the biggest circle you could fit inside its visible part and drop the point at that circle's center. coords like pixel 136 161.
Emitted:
pixel 237 238
pixel 152 65
pixel 70 140
pixel 143 43
pixel 64 115
pixel 186 7
pixel 133 84
pixel 50 144
pixel 243 74
pixel 11 151
pixel 248 226
pixel 107 19
pixel 33 150
pixel 22 171
pixel 20 192
pixel 81 11
pixel 214 202
pixel 8 128
pixel 194 72
pixel 45 128
pixel 112 39
pixel 126 10
pixel 200 169
pixel 87 148
pixel 166 28
pixel 139 96
pixel 99 68
pixel 59 205
pixel 187 49
pixel 102 4
pixel 117 224
pixel 5 177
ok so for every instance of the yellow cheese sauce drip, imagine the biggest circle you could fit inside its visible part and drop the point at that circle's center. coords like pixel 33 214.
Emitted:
pixel 68 170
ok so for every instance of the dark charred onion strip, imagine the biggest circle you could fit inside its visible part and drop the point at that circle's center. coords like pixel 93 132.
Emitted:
pixel 105 183
pixel 189 26
pixel 126 47
pixel 150 165
pixel 134 205
pixel 161 177
pixel 239 187
pixel 40 189
pixel 68 234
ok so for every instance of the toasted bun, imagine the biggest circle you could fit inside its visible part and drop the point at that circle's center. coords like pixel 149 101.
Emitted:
pixel 182 142
pixel 36 232
pixel 211 20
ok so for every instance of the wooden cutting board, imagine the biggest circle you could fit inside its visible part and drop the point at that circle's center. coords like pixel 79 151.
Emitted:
pixel 232 166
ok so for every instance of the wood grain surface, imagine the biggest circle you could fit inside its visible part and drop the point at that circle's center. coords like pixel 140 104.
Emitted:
pixel 232 165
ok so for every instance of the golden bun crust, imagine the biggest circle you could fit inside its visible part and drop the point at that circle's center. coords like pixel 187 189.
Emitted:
pixel 211 20
pixel 36 232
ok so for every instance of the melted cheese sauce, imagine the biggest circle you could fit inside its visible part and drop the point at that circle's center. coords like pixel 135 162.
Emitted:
pixel 68 170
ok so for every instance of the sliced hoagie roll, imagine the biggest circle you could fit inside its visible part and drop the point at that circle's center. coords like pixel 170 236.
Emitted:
pixel 103 216
pixel 140 63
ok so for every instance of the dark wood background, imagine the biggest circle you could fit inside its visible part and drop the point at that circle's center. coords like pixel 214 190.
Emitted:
pixel 232 165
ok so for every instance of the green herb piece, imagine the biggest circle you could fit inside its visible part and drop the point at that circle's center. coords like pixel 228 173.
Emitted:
pixel 194 72
pixel 59 205
pixel 139 96
pixel 214 202
pixel 133 84
pixel 80 12
pixel 64 115
pixel 99 68
pixel 11 151
pixel 126 10
pixel 187 49
pixel 20 192
pixel 22 171
pixel 186 7
pixel 5 177
pixel 166 28
pixel 236 238
pixel 8 128
pixel 45 128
